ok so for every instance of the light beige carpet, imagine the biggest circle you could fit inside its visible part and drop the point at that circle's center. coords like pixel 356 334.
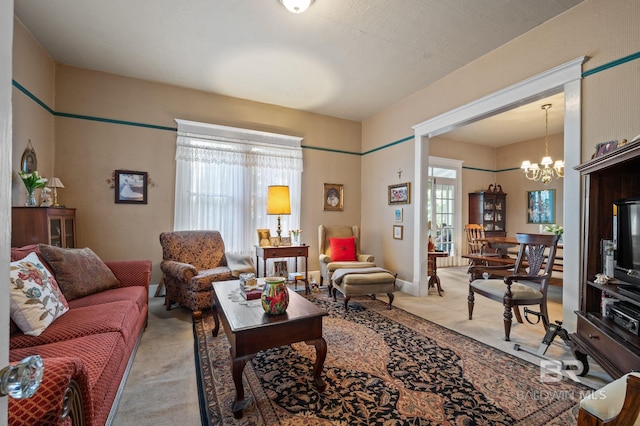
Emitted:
pixel 162 387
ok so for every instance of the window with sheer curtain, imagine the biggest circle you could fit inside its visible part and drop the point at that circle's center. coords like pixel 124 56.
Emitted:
pixel 222 175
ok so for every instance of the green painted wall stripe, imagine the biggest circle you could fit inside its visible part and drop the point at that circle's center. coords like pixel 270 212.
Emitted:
pixel 611 64
pixel 317 148
pixel 408 138
pixel 488 170
pixel 32 96
pixel 111 121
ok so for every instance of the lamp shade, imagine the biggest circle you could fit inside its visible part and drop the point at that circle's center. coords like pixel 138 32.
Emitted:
pixel 54 182
pixel 278 200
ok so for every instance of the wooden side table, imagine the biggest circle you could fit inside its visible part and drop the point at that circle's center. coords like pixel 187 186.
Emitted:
pixel 283 252
pixel 432 265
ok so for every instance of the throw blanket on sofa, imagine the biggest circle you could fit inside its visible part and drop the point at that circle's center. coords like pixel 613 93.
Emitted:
pixel 339 274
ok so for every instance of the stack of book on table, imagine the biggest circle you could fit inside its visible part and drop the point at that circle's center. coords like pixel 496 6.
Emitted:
pixel 249 287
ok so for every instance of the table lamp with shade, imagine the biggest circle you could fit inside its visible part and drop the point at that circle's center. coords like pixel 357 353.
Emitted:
pixel 278 202
pixel 55 183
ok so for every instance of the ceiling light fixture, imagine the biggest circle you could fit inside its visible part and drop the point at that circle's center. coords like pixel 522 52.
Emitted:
pixel 545 174
pixel 297 6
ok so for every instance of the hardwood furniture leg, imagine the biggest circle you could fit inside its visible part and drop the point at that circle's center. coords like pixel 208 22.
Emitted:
pixel 434 281
pixel 216 319
pixel 391 296
pixel 321 354
pixel 237 368
pixel 346 302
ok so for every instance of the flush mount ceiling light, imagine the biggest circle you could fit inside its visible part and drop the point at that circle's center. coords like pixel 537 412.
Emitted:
pixel 297 6
pixel 546 173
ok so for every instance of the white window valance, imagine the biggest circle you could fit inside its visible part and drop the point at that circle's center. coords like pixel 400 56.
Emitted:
pixel 211 143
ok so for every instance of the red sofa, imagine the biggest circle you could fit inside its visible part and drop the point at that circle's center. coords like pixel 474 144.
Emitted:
pixel 87 352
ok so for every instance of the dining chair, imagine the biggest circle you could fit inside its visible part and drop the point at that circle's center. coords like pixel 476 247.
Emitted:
pixel 526 284
pixel 476 244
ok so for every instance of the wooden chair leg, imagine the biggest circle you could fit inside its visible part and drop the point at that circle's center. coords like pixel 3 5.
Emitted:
pixel 470 300
pixel 346 302
pixel 391 296
pixel 507 321
pixel 197 315
pixel 516 311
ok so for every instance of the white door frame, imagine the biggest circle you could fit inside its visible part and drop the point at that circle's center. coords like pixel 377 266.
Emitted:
pixel 565 77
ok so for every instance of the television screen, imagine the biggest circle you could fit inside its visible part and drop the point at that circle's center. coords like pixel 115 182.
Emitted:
pixel 628 240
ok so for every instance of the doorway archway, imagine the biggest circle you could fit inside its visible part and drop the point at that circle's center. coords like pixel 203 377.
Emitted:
pixel 565 77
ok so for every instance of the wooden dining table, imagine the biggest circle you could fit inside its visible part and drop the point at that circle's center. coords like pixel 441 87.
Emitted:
pixel 501 244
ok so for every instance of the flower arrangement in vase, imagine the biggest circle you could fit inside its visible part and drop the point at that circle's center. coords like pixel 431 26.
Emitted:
pixel 32 181
pixel 295 236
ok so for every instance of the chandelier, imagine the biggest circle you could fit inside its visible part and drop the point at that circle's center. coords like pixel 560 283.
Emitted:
pixel 546 173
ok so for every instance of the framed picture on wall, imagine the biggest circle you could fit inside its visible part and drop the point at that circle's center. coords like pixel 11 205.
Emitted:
pixel 398 214
pixel 400 193
pixel 541 206
pixel 333 197
pixel 131 187
pixel 398 232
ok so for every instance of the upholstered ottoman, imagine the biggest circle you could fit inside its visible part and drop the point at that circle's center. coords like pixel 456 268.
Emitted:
pixel 360 281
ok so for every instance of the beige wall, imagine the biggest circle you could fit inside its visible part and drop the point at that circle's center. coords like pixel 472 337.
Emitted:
pixel 87 152
pixel 34 70
pixel 604 30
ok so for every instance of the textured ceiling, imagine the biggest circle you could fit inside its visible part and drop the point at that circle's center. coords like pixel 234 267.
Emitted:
pixel 342 58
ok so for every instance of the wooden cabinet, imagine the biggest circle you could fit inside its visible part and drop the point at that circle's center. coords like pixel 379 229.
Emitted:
pixel 489 208
pixel 608 178
pixel 47 225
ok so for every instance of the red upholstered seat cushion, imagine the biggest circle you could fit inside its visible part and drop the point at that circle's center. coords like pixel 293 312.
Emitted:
pixel 117 316
pixel 104 357
pixel 138 294
pixel 343 249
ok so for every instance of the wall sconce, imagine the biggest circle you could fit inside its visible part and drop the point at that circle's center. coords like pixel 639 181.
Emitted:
pixel 23 379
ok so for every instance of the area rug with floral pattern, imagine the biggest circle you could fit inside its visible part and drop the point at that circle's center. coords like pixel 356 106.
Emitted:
pixel 385 367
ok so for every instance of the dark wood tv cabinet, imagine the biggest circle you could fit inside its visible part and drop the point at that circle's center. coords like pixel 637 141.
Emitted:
pixel 608 178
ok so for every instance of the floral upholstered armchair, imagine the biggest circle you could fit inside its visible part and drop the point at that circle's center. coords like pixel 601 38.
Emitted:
pixel 191 261
pixel 339 247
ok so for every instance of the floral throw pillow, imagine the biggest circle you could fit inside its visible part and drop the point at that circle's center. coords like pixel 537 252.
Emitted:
pixel 79 272
pixel 36 299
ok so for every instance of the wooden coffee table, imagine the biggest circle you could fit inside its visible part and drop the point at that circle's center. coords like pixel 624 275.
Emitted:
pixel 250 330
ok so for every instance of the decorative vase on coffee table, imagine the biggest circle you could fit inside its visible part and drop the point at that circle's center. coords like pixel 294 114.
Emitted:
pixel 275 296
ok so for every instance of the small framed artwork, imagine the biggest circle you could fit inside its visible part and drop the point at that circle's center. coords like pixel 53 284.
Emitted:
pixel 400 193
pixel 285 241
pixel 605 148
pixel 280 268
pixel 398 214
pixel 274 241
pixel 263 237
pixel 131 187
pixel 398 232
pixel 29 162
pixel 541 206
pixel 333 197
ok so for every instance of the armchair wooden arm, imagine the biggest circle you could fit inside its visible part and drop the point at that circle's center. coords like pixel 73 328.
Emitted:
pixel 627 415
